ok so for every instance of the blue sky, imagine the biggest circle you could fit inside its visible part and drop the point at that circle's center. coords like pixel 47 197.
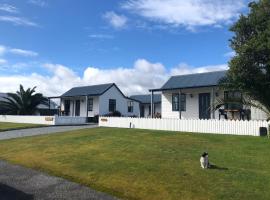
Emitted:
pixel 58 44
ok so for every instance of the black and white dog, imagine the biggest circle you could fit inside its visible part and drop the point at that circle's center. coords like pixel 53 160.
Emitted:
pixel 204 161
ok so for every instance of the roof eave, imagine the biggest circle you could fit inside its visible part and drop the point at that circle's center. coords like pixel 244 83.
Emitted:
pixel 181 88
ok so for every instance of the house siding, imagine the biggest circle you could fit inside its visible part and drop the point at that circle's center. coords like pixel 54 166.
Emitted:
pixel 147 109
pixel 121 103
pixel 192 103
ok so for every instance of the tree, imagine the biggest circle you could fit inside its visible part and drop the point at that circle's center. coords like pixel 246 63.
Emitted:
pixel 23 102
pixel 249 69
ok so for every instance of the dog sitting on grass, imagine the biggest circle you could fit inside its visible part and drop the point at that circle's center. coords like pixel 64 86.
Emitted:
pixel 204 161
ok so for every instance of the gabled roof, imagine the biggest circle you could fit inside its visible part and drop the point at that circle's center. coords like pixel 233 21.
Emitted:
pixel 147 98
pixel 193 80
pixel 92 90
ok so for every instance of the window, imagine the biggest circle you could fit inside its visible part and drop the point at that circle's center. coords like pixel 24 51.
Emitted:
pixel 130 106
pixel 149 110
pixel 233 96
pixel 90 104
pixel 175 102
pixel 112 105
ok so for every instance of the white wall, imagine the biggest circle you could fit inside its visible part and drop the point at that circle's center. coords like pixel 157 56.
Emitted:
pixel 45 120
pixel 95 107
pixel 83 106
pixel 192 103
pixel 257 114
pixel 121 103
pixel 231 127
pixel 147 109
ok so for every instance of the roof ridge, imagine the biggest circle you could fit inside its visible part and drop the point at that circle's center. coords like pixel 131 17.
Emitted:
pixel 93 85
pixel 200 73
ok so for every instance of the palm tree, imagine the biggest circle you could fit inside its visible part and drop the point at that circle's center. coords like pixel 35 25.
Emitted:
pixel 23 102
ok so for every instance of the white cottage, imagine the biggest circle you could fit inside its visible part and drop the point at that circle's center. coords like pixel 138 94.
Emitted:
pixel 89 101
pixel 192 97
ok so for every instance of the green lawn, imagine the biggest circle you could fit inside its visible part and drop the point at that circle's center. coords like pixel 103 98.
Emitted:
pixel 4 126
pixel 156 165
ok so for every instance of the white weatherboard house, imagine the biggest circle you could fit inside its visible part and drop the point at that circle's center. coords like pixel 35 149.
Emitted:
pixel 145 104
pixel 89 101
pixel 195 94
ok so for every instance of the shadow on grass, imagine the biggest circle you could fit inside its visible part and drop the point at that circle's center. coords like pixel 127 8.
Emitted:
pixel 9 193
pixel 218 168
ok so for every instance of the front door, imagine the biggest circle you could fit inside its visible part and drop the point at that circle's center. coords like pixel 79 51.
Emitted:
pixel 204 106
pixel 77 108
pixel 142 110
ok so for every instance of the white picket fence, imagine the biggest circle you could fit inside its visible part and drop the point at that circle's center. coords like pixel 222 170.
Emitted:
pixel 231 127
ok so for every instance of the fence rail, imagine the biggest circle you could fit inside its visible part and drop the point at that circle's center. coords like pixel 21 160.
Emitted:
pixel 231 127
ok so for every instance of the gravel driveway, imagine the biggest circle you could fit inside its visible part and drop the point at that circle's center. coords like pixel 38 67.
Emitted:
pixel 40 131
pixel 20 183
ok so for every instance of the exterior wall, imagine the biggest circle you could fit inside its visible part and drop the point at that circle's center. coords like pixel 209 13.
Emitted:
pixel 95 107
pixel 257 114
pixel 192 103
pixel 45 120
pixel 121 103
pixel 83 106
pixel 147 109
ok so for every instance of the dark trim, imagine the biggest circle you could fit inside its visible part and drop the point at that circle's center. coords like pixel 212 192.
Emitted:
pixel 167 89
pixel 59 97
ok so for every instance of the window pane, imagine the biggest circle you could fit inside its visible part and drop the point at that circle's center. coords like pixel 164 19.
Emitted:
pixel 112 105
pixel 175 102
pixel 90 104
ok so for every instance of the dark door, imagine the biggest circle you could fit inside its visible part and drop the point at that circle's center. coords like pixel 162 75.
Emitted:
pixel 142 110
pixel 204 106
pixel 77 108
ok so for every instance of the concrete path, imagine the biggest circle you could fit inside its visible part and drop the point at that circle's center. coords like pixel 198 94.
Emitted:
pixel 40 131
pixel 19 183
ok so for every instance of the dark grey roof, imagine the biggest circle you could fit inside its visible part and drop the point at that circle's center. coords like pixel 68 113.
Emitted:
pixel 94 90
pixel 2 95
pixel 193 80
pixel 147 98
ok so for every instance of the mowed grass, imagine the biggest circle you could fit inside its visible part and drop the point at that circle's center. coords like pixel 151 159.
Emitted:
pixel 4 126
pixel 150 165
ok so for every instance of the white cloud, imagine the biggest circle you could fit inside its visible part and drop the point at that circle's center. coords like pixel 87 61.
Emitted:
pixel 101 36
pixel 3 61
pixel 183 68
pixel 20 52
pixel 8 8
pixel 23 52
pixel 17 21
pixel 115 20
pixel 40 3
pixel 2 50
pixel 230 54
pixel 187 13
pixel 138 79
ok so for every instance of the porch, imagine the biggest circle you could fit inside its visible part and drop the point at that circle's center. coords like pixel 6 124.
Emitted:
pixel 200 103
pixel 78 106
